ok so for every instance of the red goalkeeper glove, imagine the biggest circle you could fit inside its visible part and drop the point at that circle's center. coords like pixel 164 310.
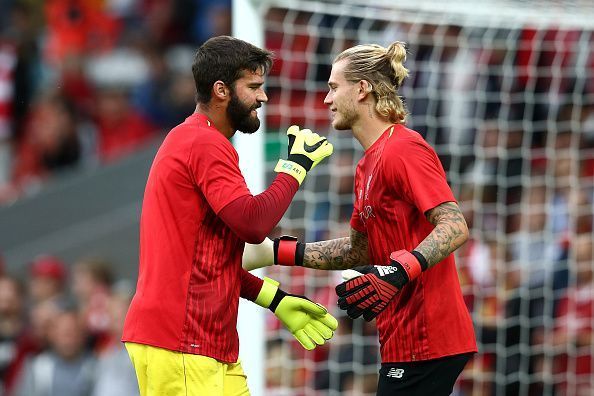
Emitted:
pixel 370 293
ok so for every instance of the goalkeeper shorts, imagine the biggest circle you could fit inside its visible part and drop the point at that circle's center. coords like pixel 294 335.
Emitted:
pixel 164 372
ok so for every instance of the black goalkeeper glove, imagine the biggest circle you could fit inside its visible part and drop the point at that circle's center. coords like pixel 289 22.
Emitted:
pixel 368 289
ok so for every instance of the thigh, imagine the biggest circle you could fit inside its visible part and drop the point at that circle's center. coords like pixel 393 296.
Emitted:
pixel 432 377
pixel 204 375
pixel 235 381
pixel 137 353
pixel 166 373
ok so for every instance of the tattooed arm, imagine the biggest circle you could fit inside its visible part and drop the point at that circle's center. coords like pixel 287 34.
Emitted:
pixel 449 234
pixel 337 254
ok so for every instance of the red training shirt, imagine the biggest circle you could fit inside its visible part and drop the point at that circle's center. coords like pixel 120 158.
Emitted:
pixel 398 179
pixel 190 275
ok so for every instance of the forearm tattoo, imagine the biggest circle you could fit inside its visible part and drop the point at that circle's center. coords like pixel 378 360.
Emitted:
pixel 337 254
pixel 449 234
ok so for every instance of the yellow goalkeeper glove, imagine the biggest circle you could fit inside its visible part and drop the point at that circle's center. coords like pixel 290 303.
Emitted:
pixel 306 150
pixel 310 323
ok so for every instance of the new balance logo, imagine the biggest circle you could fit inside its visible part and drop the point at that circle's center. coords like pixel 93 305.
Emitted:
pixel 386 269
pixel 395 373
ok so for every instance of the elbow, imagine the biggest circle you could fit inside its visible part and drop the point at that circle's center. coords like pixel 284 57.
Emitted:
pixel 254 239
pixel 254 236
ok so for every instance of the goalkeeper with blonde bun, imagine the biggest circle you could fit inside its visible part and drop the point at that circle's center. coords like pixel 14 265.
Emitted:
pixel 197 214
pixel 398 261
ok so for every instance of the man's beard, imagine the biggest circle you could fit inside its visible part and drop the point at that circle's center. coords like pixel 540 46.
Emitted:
pixel 240 115
pixel 346 120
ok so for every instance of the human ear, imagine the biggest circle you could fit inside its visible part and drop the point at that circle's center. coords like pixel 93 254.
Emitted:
pixel 365 87
pixel 220 89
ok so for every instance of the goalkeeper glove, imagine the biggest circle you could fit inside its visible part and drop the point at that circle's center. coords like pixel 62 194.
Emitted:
pixel 285 250
pixel 310 323
pixel 368 289
pixel 306 150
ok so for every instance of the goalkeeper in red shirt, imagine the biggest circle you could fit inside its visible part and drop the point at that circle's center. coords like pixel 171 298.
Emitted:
pixel 197 213
pixel 404 228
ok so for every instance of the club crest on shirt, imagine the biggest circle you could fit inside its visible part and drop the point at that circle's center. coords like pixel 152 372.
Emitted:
pixel 366 213
pixel 367 210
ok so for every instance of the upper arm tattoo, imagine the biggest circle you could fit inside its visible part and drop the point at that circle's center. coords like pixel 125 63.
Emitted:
pixel 449 234
pixel 336 254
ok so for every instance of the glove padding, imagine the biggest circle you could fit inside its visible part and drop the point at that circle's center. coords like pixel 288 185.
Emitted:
pixel 367 290
pixel 310 323
pixel 306 149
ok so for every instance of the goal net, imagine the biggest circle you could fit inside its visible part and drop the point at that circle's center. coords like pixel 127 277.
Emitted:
pixel 504 91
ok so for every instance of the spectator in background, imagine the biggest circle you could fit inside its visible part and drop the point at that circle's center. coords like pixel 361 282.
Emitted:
pixel 78 27
pixel 50 142
pixel 91 285
pixel 47 279
pixel 211 18
pixel 574 326
pixel 41 315
pixel 66 368
pixel 115 375
pixel 280 379
pixel 121 129
pixel 168 94
pixel 16 343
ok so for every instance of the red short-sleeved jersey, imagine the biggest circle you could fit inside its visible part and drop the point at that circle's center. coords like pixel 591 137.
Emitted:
pixel 190 261
pixel 398 179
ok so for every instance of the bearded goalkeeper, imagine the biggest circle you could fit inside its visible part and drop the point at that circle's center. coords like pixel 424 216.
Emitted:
pixel 197 213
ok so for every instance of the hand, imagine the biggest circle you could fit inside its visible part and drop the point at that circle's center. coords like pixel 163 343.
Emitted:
pixel 367 290
pixel 258 256
pixel 310 323
pixel 306 149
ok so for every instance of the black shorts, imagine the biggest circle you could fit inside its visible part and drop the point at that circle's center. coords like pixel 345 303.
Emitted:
pixel 429 377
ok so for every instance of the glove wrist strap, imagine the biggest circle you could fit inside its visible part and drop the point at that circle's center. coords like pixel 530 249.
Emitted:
pixel 267 293
pixel 291 168
pixel 280 294
pixel 422 260
pixel 409 264
pixel 288 251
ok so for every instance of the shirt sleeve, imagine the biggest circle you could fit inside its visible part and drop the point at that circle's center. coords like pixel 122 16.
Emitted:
pixel 253 217
pixel 250 285
pixel 215 168
pixel 419 175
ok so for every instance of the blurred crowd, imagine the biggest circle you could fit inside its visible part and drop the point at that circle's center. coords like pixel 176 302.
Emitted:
pixel 60 330
pixel 85 82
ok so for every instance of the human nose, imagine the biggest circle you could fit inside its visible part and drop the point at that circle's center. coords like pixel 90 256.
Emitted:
pixel 262 97
pixel 328 98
